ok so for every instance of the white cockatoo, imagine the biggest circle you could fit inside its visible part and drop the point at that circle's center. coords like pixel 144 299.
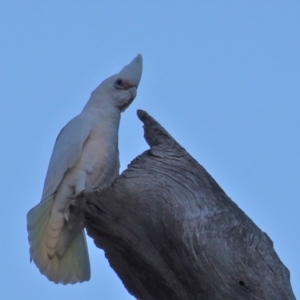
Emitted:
pixel 85 156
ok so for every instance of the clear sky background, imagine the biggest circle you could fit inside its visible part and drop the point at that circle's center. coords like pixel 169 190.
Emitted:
pixel 221 76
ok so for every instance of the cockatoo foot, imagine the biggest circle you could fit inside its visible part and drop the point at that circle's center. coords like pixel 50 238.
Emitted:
pixel 78 195
pixel 100 189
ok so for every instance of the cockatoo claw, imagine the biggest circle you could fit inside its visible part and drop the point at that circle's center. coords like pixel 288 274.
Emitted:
pixel 76 196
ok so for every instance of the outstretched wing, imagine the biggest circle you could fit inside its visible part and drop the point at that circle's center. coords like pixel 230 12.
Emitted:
pixel 66 151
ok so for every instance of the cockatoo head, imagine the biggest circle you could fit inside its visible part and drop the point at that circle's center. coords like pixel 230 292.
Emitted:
pixel 121 89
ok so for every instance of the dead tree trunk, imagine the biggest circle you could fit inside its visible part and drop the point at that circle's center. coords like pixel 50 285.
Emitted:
pixel 170 232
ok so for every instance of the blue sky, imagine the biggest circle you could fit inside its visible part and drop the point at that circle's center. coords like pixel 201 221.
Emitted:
pixel 221 76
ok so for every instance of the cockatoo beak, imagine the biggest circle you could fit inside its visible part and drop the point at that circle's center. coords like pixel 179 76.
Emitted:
pixel 132 73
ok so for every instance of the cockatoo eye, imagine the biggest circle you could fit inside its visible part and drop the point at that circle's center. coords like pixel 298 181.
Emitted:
pixel 119 84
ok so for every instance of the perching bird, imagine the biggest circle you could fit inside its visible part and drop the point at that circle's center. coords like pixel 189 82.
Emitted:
pixel 85 156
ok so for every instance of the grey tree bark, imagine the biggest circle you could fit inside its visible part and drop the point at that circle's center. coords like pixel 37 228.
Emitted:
pixel 170 232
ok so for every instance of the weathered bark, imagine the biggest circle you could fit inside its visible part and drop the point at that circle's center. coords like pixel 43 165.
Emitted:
pixel 170 232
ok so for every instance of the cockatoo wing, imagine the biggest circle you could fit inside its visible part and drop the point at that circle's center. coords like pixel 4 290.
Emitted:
pixel 74 265
pixel 66 151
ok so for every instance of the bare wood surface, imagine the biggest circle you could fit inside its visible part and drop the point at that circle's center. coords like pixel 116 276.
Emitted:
pixel 170 232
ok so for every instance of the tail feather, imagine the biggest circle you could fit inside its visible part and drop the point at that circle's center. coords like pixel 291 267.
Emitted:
pixel 73 266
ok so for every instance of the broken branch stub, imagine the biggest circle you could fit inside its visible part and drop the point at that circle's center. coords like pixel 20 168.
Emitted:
pixel 170 232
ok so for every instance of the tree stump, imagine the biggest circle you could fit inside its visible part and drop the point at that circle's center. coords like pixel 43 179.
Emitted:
pixel 170 232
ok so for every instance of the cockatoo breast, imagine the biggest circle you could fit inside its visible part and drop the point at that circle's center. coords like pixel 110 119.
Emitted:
pixel 98 164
